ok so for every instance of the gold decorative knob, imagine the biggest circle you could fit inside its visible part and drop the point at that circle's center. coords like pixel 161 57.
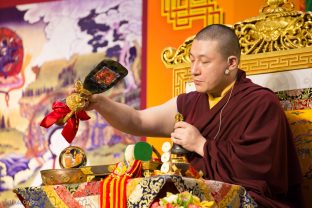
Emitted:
pixel 72 157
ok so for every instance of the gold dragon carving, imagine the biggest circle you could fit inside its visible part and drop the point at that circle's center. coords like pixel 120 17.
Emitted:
pixel 278 28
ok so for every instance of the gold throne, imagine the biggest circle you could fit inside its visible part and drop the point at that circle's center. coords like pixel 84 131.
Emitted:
pixel 276 53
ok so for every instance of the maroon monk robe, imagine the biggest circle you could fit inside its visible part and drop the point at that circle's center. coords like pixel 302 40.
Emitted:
pixel 254 147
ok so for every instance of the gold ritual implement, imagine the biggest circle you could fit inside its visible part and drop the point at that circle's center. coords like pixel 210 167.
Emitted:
pixel 178 153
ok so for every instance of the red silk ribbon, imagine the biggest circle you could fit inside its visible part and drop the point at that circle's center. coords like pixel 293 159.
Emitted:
pixel 60 110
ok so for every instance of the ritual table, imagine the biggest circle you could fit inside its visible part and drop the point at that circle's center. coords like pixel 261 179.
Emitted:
pixel 141 192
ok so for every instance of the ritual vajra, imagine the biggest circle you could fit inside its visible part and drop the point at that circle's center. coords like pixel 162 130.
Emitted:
pixel 145 178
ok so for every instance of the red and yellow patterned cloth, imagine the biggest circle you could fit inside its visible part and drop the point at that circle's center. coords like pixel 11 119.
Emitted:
pixel 113 187
pixel 140 192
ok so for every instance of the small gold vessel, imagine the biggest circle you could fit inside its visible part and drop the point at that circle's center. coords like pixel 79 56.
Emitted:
pixel 72 157
pixel 73 161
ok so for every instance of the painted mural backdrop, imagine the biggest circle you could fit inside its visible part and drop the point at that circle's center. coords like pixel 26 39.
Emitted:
pixel 44 49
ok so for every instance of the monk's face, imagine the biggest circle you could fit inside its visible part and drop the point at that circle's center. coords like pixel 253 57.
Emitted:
pixel 208 66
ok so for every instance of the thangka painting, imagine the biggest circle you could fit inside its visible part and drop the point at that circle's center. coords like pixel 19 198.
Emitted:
pixel 44 49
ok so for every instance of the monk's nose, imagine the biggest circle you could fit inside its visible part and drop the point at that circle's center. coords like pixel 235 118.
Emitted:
pixel 194 68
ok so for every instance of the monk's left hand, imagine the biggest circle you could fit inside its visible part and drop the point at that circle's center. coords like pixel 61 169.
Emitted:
pixel 189 137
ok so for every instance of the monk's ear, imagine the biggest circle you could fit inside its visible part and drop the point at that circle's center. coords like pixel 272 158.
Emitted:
pixel 232 63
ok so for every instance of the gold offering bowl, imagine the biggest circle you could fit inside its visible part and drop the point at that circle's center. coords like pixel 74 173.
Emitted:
pixel 73 160
pixel 75 175
pixel 62 176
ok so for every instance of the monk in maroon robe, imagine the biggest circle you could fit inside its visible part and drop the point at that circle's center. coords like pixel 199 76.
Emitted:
pixel 254 147
pixel 235 130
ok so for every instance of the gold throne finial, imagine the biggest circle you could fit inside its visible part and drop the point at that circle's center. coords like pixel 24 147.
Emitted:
pixel 273 6
pixel 278 27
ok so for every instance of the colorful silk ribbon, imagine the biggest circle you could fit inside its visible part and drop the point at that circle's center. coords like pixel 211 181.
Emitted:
pixel 113 187
pixel 60 110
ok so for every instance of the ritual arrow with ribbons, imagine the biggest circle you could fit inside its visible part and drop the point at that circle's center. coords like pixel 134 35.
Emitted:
pixel 105 75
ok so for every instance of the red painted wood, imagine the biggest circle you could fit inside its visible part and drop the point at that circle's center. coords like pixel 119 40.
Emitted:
pixel 11 3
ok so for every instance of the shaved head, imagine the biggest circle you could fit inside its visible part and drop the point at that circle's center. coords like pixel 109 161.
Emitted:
pixel 225 36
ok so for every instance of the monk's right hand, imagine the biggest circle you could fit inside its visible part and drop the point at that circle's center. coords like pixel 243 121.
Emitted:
pixel 94 101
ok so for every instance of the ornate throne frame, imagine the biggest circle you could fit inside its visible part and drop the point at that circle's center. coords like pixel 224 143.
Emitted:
pixel 279 40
